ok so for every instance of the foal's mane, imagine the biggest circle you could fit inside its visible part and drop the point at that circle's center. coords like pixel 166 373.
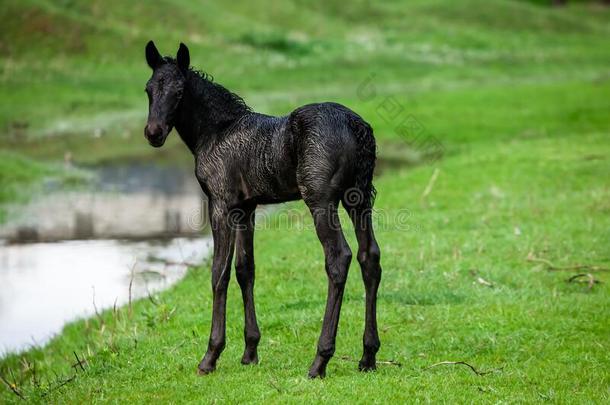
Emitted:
pixel 223 102
pixel 223 98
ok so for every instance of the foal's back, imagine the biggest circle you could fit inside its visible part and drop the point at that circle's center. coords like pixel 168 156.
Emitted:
pixel 255 160
pixel 313 154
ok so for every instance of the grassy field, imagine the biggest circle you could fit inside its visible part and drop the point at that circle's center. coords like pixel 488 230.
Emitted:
pixel 514 95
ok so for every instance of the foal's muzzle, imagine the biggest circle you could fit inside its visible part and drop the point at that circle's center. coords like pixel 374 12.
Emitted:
pixel 156 133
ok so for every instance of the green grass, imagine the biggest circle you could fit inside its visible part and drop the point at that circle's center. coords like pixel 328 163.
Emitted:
pixel 74 66
pixel 489 209
pixel 518 96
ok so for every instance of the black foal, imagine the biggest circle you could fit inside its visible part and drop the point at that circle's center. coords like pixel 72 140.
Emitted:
pixel 321 153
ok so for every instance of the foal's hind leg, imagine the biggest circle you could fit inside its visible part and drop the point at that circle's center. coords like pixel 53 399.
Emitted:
pixel 368 257
pixel 244 268
pixel 337 259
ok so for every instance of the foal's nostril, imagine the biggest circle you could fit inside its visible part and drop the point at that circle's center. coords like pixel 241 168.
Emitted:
pixel 153 130
pixel 155 133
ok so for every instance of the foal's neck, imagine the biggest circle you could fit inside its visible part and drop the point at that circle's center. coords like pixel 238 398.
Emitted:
pixel 206 111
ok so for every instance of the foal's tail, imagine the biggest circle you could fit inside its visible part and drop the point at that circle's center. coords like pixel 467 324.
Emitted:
pixel 365 164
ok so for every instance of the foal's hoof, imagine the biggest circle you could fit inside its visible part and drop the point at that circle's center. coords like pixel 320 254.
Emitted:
pixel 316 374
pixel 205 369
pixel 249 359
pixel 366 367
pixel 318 368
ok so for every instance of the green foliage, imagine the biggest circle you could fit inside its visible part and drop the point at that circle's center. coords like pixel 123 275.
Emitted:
pixel 276 42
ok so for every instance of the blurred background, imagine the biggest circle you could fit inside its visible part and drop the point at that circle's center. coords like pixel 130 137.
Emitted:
pixel 80 185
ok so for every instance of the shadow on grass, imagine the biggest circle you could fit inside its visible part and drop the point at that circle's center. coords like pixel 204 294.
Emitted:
pixel 422 298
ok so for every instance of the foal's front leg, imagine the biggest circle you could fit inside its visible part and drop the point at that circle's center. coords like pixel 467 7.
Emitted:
pixel 244 268
pixel 224 242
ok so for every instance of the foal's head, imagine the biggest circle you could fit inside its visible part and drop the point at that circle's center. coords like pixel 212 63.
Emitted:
pixel 164 91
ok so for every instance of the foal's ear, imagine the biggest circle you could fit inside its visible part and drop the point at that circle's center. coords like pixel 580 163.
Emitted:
pixel 183 58
pixel 153 57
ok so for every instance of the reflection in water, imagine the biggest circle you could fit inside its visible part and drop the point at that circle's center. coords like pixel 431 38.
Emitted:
pixel 125 201
pixel 45 285
pixel 82 245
